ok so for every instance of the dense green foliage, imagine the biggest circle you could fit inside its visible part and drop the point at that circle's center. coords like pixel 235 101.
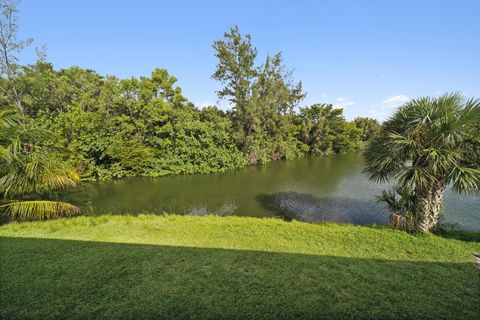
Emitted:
pixel 369 127
pixel 145 127
pixel 427 145
pixel 151 267
pixel 323 129
pixel 31 165
pixel 128 127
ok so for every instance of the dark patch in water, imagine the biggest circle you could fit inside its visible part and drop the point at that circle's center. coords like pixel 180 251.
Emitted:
pixel 310 208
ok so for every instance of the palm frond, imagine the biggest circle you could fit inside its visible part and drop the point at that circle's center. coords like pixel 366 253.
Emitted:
pixel 37 175
pixel 35 135
pixel 398 200
pixel 441 160
pixel 402 146
pixel 413 177
pixel 38 210
pixel 465 179
pixel 5 154
pixel 470 113
pixel 380 162
pixel 9 118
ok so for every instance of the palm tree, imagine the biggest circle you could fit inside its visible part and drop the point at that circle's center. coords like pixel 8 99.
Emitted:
pixel 30 167
pixel 401 204
pixel 427 145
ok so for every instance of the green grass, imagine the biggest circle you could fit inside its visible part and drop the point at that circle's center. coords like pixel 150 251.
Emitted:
pixel 125 267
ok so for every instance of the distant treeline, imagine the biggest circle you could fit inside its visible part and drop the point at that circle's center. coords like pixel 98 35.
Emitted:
pixel 145 126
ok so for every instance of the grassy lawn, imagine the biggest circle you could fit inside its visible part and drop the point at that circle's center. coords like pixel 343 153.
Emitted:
pixel 125 267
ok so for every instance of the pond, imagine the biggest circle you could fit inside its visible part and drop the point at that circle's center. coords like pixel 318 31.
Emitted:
pixel 331 188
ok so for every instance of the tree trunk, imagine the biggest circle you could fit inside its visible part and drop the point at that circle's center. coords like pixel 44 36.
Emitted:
pixel 428 206
pixel 398 221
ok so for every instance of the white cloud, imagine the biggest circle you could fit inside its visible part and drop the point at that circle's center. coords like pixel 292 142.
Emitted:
pixel 385 108
pixel 379 113
pixel 204 104
pixel 342 102
pixel 394 101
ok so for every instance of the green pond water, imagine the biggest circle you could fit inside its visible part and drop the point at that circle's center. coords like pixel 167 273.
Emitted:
pixel 310 189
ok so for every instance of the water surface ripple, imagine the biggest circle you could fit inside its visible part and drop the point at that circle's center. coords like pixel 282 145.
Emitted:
pixel 331 188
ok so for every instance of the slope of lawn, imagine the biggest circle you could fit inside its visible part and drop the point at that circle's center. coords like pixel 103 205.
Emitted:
pixel 126 267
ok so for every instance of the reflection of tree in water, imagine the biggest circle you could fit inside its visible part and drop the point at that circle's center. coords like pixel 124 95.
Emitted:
pixel 307 207
pixel 226 193
pixel 224 210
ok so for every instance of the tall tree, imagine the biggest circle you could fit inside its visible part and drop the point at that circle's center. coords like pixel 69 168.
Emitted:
pixel 236 71
pixel 10 45
pixel 263 98
pixel 275 96
pixel 428 144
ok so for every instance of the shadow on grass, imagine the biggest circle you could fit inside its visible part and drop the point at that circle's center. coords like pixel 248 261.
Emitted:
pixel 63 279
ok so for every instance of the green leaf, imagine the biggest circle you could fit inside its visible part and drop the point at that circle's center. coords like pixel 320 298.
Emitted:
pixel 38 210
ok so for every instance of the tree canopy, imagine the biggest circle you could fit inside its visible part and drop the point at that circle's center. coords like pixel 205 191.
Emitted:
pixel 102 127
pixel 145 126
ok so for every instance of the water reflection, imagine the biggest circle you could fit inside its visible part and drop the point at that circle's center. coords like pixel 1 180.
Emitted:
pixel 309 189
pixel 310 208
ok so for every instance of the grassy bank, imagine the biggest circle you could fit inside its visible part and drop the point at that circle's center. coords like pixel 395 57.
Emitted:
pixel 123 267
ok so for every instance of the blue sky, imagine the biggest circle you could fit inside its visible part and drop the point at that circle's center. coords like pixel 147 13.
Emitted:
pixel 368 56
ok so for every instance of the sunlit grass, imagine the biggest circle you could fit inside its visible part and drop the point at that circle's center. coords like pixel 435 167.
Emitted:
pixel 210 267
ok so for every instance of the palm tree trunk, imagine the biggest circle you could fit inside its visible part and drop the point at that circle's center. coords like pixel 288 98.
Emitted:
pixel 398 221
pixel 428 206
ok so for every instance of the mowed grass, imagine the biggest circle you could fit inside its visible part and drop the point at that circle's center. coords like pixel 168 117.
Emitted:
pixel 178 267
